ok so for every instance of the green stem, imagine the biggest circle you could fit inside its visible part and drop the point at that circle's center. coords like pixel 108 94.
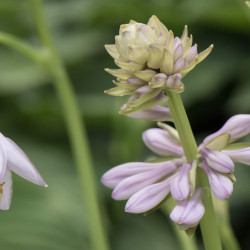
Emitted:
pixel 18 45
pixel 76 130
pixel 229 241
pixel 209 229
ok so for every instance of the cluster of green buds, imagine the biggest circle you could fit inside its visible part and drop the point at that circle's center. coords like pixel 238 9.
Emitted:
pixel 151 60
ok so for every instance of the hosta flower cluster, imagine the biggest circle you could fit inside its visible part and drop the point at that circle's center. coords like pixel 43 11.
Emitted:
pixel 146 185
pixel 152 64
pixel 151 60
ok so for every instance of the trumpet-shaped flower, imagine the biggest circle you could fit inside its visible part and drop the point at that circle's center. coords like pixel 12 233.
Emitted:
pixel 219 152
pixel 146 185
pixel 13 159
pixel 151 59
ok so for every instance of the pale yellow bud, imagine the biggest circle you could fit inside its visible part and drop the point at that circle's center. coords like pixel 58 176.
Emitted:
pixel 151 59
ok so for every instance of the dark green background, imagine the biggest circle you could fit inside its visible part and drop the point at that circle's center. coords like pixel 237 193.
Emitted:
pixel 30 114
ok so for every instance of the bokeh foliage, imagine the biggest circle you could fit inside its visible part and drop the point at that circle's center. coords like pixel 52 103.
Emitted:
pixel 216 89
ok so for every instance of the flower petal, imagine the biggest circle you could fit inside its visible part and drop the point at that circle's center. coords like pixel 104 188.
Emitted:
pixel 18 162
pixel 188 213
pixel 120 172
pixel 148 198
pixel 6 189
pixel 217 160
pixel 129 186
pixel 221 185
pixel 240 155
pixel 238 126
pixel 180 185
pixel 161 142
pixel 3 157
pixel 156 113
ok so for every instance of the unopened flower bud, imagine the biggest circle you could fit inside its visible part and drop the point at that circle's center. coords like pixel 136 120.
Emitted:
pixel 152 53
pixel 188 213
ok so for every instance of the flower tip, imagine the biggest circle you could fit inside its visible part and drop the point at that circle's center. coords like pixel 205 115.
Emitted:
pixel 116 195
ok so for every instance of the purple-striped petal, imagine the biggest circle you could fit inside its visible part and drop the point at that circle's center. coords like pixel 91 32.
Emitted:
pixel 156 113
pixel 239 155
pixel 162 142
pixel 180 185
pixel 148 198
pixel 238 126
pixel 221 185
pixel 120 172
pixel 188 213
pixel 129 186
pixel 217 160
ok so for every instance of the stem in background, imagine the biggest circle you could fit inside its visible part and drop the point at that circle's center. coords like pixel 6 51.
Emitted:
pixel 229 241
pixel 25 49
pixel 76 130
pixel 209 229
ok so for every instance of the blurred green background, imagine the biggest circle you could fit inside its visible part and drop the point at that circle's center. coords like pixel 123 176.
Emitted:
pixel 216 89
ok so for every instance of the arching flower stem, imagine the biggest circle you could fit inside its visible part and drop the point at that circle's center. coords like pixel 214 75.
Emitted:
pixel 209 229
pixel 77 134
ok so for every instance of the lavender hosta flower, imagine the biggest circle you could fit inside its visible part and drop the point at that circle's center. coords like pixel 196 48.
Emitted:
pixel 188 213
pixel 130 185
pixel 180 184
pixel 148 197
pixel 237 126
pixel 162 142
pixel 217 160
pixel 220 184
pixel 219 152
pixel 157 113
pixel 131 180
pixel 151 59
pixel 14 159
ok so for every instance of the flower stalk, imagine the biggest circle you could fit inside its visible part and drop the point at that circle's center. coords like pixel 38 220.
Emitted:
pixel 76 130
pixel 209 229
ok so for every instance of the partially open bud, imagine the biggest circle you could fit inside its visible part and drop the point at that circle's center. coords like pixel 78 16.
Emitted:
pixel 151 53
pixel 221 185
pixel 180 185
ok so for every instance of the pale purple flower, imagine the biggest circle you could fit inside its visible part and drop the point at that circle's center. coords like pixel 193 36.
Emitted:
pixel 162 142
pixel 157 113
pixel 145 184
pixel 180 184
pixel 219 161
pixel 188 213
pixel 14 159
pixel 130 185
pixel 238 126
pixel 239 155
pixel 148 197
pixel 220 184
